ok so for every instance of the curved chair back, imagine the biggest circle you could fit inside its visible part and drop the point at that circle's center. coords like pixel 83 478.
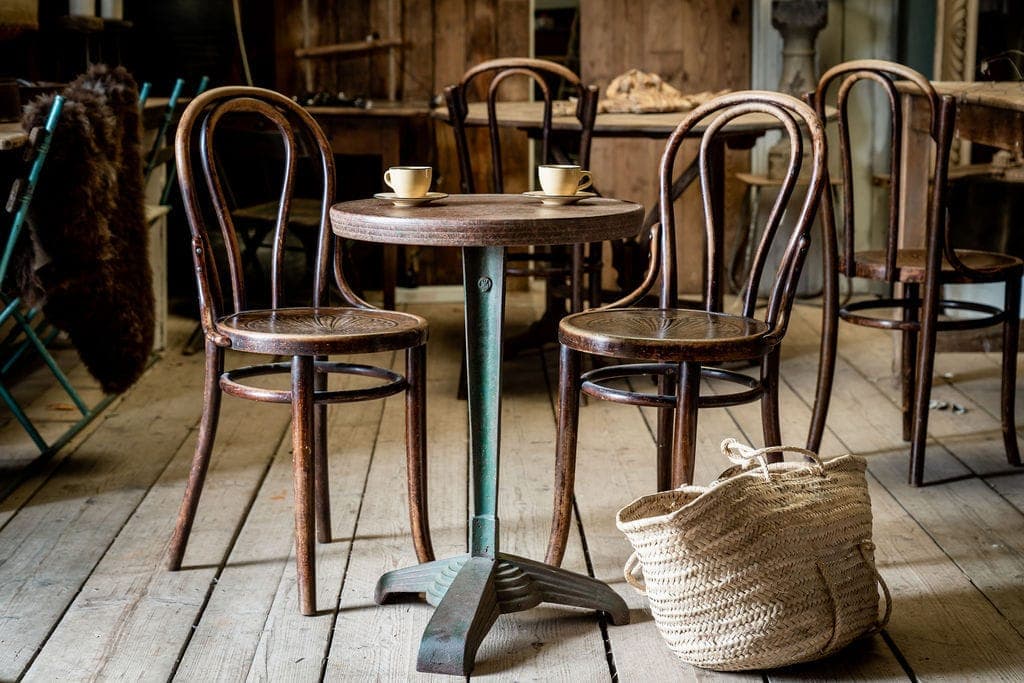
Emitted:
pixel 457 97
pixel 796 119
pixel 203 190
pixel 940 125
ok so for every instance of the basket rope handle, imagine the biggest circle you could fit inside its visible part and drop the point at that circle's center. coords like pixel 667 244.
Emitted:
pixel 634 573
pixel 886 595
pixel 745 456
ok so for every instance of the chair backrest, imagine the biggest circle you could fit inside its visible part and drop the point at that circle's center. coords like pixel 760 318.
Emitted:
pixel 939 125
pixel 796 119
pixel 457 97
pixel 203 192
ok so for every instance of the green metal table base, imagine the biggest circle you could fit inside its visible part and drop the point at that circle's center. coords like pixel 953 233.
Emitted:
pixel 470 591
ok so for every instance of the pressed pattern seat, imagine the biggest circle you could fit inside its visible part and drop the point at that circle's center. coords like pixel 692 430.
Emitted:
pixel 288 331
pixel 910 265
pixel 666 334
pixel 306 336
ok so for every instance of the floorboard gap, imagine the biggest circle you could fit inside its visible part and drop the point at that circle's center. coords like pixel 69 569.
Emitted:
pixel 895 649
pixel 602 618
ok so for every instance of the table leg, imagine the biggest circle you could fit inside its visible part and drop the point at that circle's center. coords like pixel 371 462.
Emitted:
pixel 469 591
pixel 484 273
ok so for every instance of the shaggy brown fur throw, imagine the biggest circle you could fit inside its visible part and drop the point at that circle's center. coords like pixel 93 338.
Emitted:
pixel 88 226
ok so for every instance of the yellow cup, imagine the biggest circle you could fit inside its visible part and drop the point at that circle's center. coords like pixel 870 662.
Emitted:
pixel 562 179
pixel 408 181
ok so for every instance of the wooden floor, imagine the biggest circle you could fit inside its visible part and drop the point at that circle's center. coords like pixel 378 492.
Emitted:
pixel 84 595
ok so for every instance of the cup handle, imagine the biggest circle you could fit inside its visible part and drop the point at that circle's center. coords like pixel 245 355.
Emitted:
pixel 387 179
pixel 585 180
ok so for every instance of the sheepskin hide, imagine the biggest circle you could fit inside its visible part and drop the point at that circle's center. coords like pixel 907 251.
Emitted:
pixel 87 221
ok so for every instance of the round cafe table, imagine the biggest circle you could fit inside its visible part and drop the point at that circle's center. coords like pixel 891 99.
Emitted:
pixel 470 590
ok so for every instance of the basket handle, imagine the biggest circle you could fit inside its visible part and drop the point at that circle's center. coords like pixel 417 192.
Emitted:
pixel 863 547
pixel 744 455
pixel 886 595
pixel 634 573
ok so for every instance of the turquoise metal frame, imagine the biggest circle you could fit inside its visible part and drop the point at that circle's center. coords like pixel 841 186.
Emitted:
pixel 24 334
pixel 172 172
pixel 153 160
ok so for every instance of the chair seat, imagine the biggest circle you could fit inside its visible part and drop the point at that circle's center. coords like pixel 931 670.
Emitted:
pixel 910 265
pixel 322 331
pixel 666 334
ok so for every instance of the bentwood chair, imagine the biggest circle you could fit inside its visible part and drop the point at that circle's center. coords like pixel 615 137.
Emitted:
pixel 919 271
pixel 555 267
pixel 679 346
pixel 306 336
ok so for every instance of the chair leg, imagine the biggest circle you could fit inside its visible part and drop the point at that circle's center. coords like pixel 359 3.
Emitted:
pixel 321 480
pixel 201 459
pixel 666 416
pixel 576 279
pixel 685 427
pixel 771 424
pixel 826 356
pixel 908 357
pixel 1011 333
pixel 416 450
pixel 565 452
pixel 594 281
pixel 302 473
pixel 923 381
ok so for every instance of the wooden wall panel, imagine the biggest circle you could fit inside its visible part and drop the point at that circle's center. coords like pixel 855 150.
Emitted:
pixel 669 37
pixel 445 38
pixel 672 39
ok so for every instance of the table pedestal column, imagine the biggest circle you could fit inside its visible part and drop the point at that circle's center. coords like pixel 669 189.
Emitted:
pixel 470 591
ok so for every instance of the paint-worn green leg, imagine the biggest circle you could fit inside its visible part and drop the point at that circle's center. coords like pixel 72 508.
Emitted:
pixel 484 273
pixel 561 587
pixel 469 592
pixel 430 578
pixel 461 621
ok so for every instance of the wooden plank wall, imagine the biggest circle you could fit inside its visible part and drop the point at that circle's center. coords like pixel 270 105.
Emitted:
pixel 448 36
pixel 445 38
pixel 695 45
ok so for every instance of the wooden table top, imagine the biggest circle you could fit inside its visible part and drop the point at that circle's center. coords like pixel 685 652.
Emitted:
pixel 1000 95
pixel 487 220
pixel 528 115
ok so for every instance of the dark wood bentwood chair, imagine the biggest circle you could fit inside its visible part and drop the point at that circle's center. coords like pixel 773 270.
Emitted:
pixel 306 335
pixel 920 271
pixel 679 346
pixel 553 265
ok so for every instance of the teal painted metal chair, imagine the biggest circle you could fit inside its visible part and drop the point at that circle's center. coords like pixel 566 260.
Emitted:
pixel 161 151
pixel 28 331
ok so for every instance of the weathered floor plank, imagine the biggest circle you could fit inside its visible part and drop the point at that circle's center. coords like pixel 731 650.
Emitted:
pixel 132 616
pixel 83 592
pixel 371 641
pixel 63 530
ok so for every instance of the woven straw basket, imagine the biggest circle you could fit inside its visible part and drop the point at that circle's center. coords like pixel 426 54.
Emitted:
pixel 771 565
